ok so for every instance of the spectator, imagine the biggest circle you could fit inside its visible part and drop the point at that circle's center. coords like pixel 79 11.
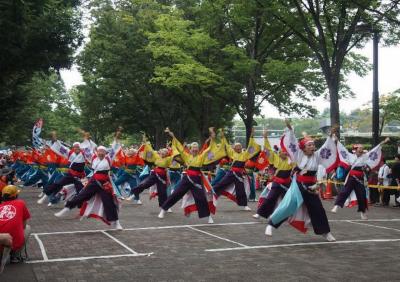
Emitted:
pixel 395 182
pixel 13 218
pixel 383 179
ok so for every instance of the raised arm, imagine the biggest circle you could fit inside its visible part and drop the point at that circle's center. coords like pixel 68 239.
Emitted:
pixel 178 145
pixel 373 157
pixel 213 152
pixel 224 143
pixel 149 153
pixel 252 148
pixel 267 146
pixel 291 143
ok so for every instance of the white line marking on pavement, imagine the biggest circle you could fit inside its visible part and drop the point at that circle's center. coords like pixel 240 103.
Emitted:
pixel 119 242
pixel 151 228
pixel 372 225
pixel 372 220
pixel 198 225
pixel 301 244
pixel 215 236
pixel 41 246
pixel 88 258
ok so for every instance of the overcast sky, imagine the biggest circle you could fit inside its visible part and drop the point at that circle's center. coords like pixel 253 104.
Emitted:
pixel 389 80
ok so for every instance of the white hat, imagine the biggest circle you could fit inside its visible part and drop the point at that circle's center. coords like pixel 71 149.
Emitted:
pixel 76 144
pixel 101 148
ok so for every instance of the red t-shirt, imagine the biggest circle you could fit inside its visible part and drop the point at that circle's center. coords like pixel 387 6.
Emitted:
pixel 12 216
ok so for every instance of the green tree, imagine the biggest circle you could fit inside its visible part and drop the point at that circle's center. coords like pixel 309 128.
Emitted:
pixel 130 83
pixel 259 61
pixel 36 36
pixel 184 57
pixel 389 109
pixel 329 28
pixel 47 99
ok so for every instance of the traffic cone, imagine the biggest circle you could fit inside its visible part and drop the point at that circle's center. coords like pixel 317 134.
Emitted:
pixel 328 191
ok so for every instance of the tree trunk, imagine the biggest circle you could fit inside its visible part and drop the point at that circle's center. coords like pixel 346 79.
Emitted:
pixel 249 110
pixel 333 86
pixel 248 123
pixel 159 138
pixel 383 118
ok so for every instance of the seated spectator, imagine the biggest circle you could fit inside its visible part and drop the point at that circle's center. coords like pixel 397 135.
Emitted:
pixel 13 218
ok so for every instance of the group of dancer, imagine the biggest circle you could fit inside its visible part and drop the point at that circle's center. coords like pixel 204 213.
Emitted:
pixel 95 179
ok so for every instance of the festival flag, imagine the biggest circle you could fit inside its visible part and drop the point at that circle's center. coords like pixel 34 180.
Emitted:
pixel 37 142
pixel 88 147
pixel 60 149
pixel 114 150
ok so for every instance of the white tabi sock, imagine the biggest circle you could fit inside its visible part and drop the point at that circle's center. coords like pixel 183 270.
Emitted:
pixel 268 230
pixel 334 209
pixel 161 214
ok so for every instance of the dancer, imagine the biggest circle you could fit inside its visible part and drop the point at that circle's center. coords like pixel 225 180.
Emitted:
pixel 280 181
pixel 100 185
pixel 75 172
pixel 174 176
pixel 303 189
pixel 192 176
pixel 235 175
pixel 357 162
pixel 129 172
pixel 158 175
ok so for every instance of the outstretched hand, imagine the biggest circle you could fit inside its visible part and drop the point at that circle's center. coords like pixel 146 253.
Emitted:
pixel 144 138
pixel 118 132
pixel 221 132
pixel 169 132
pixel 211 130
pixel 288 125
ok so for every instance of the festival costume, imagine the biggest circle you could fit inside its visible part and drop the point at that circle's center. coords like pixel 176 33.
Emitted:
pixel 192 185
pixel 99 185
pixel 73 176
pixel 174 176
pixel 128 173
pixel 301 203
pixel 355 191
pixel 280 181
pixel 158 175
pixel 232 185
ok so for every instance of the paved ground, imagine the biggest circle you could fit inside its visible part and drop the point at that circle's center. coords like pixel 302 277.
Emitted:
pixel 187 249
